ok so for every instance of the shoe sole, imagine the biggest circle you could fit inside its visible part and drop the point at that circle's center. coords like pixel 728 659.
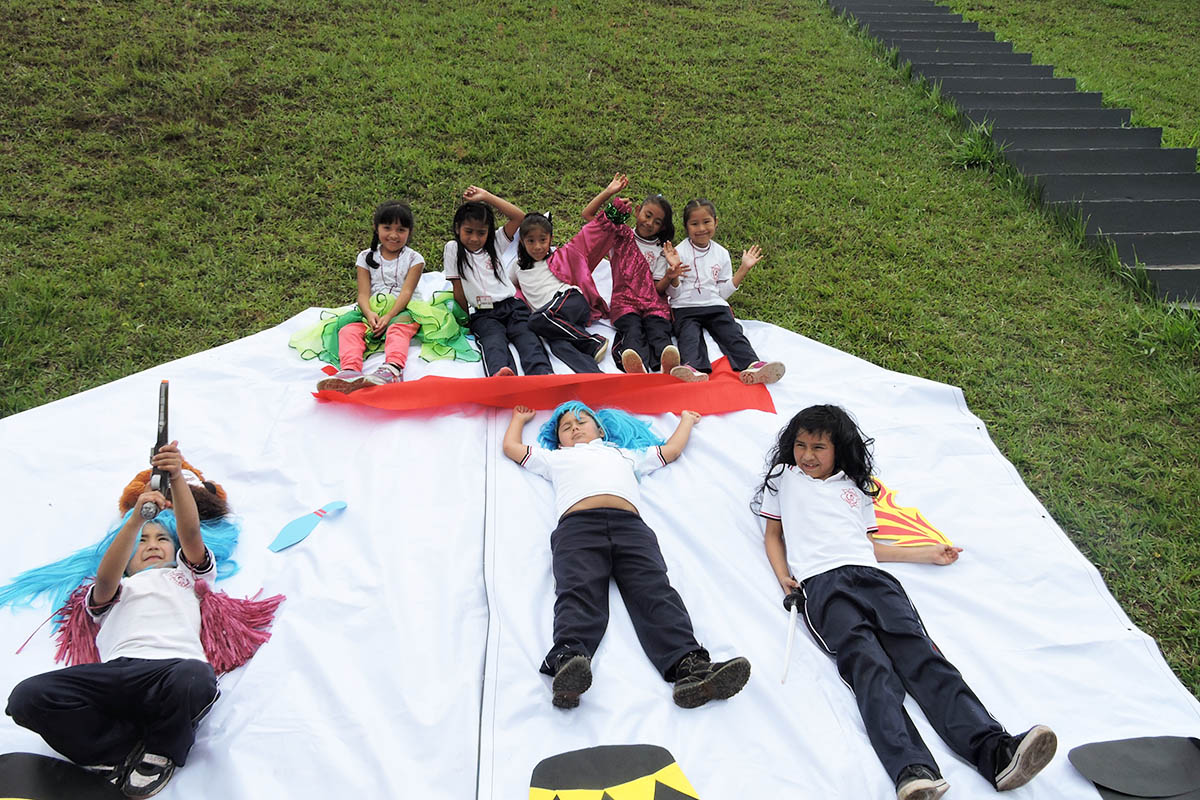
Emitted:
pixel 669 359
pixel 1034 752
pixel 632 363
pixel 602 352
pixel 342 385
pixel 689 375
pixel 923 789
pixel 766 374
pixel 721 685
pixel 572 680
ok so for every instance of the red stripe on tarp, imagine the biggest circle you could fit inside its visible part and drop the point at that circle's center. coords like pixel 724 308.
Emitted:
pixel 329 369
pixel 639 394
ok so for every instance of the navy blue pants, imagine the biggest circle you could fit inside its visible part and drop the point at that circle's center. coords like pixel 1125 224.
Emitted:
pixel 647 335
pixel 508 321
pixel 690 324
pixel 864 619
pixel 563 324
pixel 97 713
pixel 591 547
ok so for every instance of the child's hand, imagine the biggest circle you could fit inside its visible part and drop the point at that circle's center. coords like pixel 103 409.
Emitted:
pixel 789 585
pixel 619 182
pixel 523 414
pixel 943 554
pixel 169 460
pixel 690 417
pixel 381 324
pixel 752 256
pixel 151 496
pixel 671 254
pixel 475 194
pixel 372 320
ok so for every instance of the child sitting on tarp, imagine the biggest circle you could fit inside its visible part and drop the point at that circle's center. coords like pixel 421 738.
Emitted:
pixel 595 459
pixel 132 718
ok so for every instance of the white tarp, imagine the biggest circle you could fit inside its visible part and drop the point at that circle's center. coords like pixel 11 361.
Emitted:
pixel 404 663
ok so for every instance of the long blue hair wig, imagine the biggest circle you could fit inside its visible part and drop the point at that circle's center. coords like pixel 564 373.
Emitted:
pixel 617 427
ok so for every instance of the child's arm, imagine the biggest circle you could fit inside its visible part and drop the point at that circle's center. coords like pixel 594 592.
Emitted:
pixel 675 268
pixel 749 259
pixel 514 214
pixel 364 298
pixel 777 554
pixel 514 448
pixel 679 439
pixel 116 557
pixel 406 292
pixel 618 183
pixel 940 554
pixel 460 296
pixel 187 518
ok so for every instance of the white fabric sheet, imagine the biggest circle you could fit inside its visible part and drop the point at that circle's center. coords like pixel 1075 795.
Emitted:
pixel 404 663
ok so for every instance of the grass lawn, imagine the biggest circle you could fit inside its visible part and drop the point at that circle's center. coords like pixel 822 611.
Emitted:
pixel 184 174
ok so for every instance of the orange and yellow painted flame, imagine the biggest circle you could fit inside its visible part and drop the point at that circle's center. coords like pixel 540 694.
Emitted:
pixel 901 525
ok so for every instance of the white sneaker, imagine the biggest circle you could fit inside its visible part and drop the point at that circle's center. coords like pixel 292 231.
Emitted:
pixel 345 381
pixel 603 351
pixel 386 374
pixel 632 363
pixel 689 374
pixel 762 372
pixel 668 359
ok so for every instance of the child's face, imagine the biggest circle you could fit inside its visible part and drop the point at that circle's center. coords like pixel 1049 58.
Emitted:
pixel 701 226
pixel 393 236
pixel 574 430
pixel 648 220
pixel 154 549
pixel 814 454
pixel 473 233
pixel 537 244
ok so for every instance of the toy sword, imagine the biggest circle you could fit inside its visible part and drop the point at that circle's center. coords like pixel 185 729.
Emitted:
pixel 159 480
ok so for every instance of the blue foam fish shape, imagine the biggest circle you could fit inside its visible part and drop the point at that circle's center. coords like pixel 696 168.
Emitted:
pixel 298 529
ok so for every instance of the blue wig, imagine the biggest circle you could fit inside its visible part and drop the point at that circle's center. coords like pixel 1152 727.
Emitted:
pixel 616 427
pixel 57 580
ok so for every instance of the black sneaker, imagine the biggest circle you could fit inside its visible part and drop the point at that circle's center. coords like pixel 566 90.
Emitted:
pixel 919 782
pixel 1020 758
pixel 697 680
pixel 572 677
pixel 149 774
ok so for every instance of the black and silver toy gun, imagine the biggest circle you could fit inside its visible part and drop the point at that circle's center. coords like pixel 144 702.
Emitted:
pixel 159 480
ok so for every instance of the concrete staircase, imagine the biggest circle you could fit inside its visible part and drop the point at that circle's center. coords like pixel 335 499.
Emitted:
pixel 1128 188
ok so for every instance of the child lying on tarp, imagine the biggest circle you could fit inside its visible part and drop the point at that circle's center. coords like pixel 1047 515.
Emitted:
pixel 595 459
pixel 132 718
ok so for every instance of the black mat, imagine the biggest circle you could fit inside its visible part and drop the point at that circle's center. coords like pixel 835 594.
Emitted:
pixel 1161 767
pixel 26 776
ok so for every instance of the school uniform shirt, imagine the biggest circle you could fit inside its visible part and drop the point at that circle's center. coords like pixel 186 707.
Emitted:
pixel 388 277
pixel 652 251
pixel 592 468
pixel 825 522
pixel 155 613
pixel 538 284
pixel 480 285
pixel 710 280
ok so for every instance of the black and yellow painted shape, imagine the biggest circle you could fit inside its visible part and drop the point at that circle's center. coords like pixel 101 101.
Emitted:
pixel 28 776
pixel 611 772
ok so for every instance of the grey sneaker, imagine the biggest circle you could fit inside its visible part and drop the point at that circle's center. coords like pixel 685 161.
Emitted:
pixel 697 680
pixel 572 677
pixel 762 372
pixel 632 363
pixel 669 359
pixel 388 373
pixel 1020 758
pixel 918 782
pixel 148 776
pixel 345 381
pixel 689 374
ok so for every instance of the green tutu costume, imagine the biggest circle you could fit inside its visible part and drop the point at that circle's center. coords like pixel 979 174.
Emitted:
pixel 443 332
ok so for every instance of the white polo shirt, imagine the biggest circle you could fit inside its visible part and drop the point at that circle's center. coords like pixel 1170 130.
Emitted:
pixel 825 522
pixel 710 280
pixel 538 284
pixel 389 276
pixel 480 284
pixel 592 468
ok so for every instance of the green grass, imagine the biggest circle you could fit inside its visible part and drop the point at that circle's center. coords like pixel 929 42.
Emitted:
pixel 184 174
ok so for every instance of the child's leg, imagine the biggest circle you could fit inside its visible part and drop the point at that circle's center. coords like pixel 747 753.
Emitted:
pixel 80 712
pixel 582 566
pixel 658 338
pixel 534 360
pixel 689 332
pixel 396 341
pixel 655 608
pixel 563 323
pixel 843 622
pixel 631 335
pixel 352 343
pixel 730 337
pixel 176 693
pixel 488 327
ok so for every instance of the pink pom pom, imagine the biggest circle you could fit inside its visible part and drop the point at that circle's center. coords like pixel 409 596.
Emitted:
pixel 76 630
pixel 232 630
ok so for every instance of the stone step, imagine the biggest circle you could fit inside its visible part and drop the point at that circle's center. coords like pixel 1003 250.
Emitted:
pixel 1158 249
pixel 935 69
pixel 927 55
pixel 1179 283
pixel 1061 138
pixel 960 84
pixel 1049 117
pixel 964 31
pixel 952 46
pixel 916 16
pixel 1060 188
pixel 1106 161
pixel 1135 216
pixel 865 6
pixel 1027 99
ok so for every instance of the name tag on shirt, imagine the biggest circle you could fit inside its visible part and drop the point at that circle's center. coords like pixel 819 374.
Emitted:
pixel 483 301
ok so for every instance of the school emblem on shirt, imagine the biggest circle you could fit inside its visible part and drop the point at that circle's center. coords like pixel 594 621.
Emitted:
pixel 180 579
pixel 903 525
pixel 851 497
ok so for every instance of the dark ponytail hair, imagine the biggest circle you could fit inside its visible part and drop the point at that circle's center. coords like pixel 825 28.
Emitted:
pixel 851 450
pixel 699 202
pixel 388 213
pixel 476 212
pixel 531 222
pixel 667 232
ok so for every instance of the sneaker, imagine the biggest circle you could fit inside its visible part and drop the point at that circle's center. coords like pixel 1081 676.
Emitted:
pixel 632 363
pixel 149 775
pixel 697 680
pixel 919 782
pixel 669 359
pixel 388 373
pixel 689 374
pixel 602 351
pixel 763 372
pixel 1019 758
pixel 346 381
pixel 505 372
pixel 109 773
pixel 572 677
